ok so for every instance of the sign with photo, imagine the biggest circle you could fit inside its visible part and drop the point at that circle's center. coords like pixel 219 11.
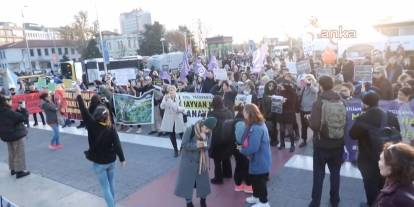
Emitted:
pixel 363 73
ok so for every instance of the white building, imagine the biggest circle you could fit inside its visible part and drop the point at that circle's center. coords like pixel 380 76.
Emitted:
pixel 134 21
pixel 44 54
pixel 9 32
pixel 39 32
pixel 121 45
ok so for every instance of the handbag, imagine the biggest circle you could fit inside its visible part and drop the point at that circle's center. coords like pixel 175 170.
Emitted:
pixel 60 119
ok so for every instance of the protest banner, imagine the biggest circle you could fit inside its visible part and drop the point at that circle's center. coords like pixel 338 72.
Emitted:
pixel 196 105
pixel 122 76
pixel 303 67
pixel 220 74
pixel 363 73
pixel 41 83
pixel 403 111
pixel 292 67
pixel 72 110
pixel 277 104
pixel 326 72
pixel 133 110
pixel 31 100
pixel 51 87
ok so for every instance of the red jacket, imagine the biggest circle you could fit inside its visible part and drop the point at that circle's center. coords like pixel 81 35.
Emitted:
pixel 396 195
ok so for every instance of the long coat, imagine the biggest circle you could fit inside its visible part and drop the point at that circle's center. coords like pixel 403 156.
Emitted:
pixel 221 146
pixel 188 177
pixel 173 115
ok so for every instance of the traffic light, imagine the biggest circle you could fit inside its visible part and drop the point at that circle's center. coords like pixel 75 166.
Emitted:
pixel 66 70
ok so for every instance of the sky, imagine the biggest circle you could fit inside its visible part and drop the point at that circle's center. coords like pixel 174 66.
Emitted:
pixel 242 19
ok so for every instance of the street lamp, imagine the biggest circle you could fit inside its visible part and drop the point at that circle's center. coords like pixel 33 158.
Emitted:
pixel 162 42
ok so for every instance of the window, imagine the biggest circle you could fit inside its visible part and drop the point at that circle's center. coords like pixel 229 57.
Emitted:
pixel 72 51
pixel 39 52
pixel 59 51
pixel 4 54
pixel 53 51
pixel 31 52
pixel 135 43
pixel 129 43
pixel 66 51
pixel 46 52
pixel 1 54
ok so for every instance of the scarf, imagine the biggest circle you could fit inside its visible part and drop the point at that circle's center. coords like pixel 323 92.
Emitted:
pixel 203 154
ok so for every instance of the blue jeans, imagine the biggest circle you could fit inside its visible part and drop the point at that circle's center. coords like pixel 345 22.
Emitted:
pixel 55 137
pixel 105 173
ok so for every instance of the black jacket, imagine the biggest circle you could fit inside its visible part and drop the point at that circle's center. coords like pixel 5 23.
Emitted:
pixel 229 98
pixel 385 88
pixel 221 147
pixel 372 117
pixel 208 85
pixel 104 144
pixel 11 125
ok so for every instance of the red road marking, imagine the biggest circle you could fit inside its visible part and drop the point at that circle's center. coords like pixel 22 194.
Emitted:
pixel 160 192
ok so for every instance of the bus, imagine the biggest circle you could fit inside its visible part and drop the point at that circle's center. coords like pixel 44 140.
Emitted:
pixel 122 69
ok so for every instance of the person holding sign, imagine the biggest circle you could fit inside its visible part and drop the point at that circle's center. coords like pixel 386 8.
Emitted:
pixel 288 116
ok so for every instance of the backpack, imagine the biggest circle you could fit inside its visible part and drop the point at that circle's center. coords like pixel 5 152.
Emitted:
pixel 378 136
pixel 333 119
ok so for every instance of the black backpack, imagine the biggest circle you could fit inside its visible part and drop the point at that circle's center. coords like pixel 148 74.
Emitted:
pixel 378 136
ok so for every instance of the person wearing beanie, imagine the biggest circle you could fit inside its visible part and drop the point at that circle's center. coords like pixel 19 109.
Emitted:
pixel 368 158
pixel 193 169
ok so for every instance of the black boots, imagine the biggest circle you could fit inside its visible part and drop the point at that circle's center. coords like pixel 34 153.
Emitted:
pixel 203 202
pixel 22 174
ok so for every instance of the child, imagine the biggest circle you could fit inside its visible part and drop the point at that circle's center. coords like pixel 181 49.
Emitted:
pixel 23 111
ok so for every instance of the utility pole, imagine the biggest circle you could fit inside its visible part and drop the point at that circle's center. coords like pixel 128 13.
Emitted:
pixel 27 44
pixel 101 40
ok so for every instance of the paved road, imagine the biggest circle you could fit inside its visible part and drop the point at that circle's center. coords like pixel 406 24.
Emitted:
pixel 149 177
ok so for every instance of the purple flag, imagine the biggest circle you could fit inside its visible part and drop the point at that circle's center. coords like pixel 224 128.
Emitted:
pixel 185 67
pixel 198 67
pixel 165 76
pixel 213 63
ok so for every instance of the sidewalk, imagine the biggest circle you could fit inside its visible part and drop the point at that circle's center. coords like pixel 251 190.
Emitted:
pixel 35 190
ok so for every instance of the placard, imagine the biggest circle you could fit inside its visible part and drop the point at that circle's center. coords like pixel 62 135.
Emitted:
pixel 277 104
pixel 303 67
pixel 220 74
pixel 133 110
pixel 326 72
pixel 72 110
pixel 363 73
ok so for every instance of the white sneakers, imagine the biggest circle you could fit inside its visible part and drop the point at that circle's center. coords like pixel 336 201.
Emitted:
pixel 261 205
pixel 252 200
pixel 256 202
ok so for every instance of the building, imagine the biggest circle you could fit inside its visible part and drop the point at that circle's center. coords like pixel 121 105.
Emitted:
pixel 120 45
pixel 399 33
pixel 219 45
pixel 9 32
pixel 39 32
pixel 43 54
pixel 134 22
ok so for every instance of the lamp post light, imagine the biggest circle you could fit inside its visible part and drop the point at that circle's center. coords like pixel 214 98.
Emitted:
pixel 162 42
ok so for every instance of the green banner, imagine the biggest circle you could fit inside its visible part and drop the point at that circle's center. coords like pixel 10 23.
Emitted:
pixel 133 110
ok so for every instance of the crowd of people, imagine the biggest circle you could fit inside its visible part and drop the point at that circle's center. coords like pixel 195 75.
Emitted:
pixel 247 132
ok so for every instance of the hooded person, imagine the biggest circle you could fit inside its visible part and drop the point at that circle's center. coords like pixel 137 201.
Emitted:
pixel 193 169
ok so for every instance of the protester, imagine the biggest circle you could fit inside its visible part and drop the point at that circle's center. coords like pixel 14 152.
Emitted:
pixel 13 132
pixel 396 165
pixel 221 146
pixel 32 89
pixel 229 93
pixel 382 84
pixel 270 90
pixel 256 146
pixel 173 121
pixel 393 69
pixel 51 111
pixel 368 157
pixel 21 109
pixel 307 96
pixel 104 146
pixel 193 170
pixel 288 116
pixel 328 119
pixel 209 82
